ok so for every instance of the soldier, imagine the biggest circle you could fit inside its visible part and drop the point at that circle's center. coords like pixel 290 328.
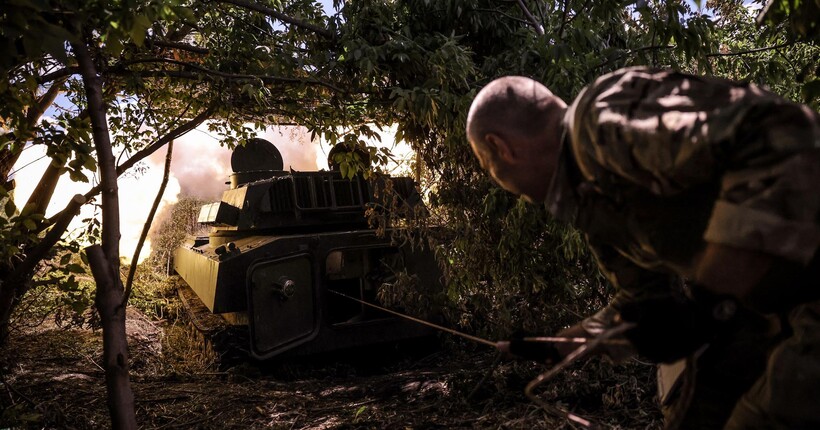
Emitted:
pixel 673 176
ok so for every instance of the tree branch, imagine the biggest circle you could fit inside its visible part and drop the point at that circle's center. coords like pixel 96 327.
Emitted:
pixel 44 190
pixel 58 74
pixel 539 29
pixel 39 252
pixel 564 21
pixel 34 113
pixel 635 51
pixel 504 14
pixel 750 51
pixel 179 45
pixel 10 154
pixel 174 134
pixel 148 221
pixel 207 73
pixel 280 16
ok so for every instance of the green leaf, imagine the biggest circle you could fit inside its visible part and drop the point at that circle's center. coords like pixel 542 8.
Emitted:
pixel 137 33
pixel 113 44
pixel 90 163
pixel 65 259
pixel 185 13
pixel 10 208
pixel 359 411
pixel 29 224
pixel 74 268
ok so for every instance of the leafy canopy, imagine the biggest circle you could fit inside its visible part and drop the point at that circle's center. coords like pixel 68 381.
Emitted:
pixel 167 66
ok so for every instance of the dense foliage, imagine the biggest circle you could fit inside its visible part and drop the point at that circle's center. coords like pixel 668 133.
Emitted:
pixel 171 230
pixel 170 65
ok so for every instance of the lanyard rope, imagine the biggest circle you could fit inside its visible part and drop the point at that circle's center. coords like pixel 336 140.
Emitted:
pixel 586 345
pixel 420 321
pixel 544 339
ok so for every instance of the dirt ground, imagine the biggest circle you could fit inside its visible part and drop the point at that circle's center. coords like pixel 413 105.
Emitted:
pixel 51 379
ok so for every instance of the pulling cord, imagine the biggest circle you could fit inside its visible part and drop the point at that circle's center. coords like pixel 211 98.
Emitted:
pixel 544 339
pixel 587 345
pixel 420 321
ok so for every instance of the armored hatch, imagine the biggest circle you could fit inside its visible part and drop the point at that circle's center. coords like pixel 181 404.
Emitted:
pixel 280 241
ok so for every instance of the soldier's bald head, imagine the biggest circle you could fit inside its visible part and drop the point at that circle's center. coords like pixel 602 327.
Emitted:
pixel 513 106
pixel 514 128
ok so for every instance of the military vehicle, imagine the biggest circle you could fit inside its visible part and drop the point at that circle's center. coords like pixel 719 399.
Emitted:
pixel 280 244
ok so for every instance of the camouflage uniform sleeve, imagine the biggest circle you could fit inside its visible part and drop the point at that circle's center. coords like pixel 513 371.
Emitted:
pixel 770 190
pixel 667 132
pixel 631 281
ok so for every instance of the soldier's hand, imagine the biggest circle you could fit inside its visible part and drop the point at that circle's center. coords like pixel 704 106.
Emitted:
pixel 519 348
pixel 669 328
pixel 567 341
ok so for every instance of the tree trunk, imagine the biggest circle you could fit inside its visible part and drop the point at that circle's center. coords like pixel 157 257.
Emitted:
pixel 115 345
pixel 104 259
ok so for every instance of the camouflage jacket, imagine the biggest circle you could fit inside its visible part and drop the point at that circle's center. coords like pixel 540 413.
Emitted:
pixel 656 163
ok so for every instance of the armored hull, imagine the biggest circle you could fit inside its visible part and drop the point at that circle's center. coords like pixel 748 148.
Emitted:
pixel 281 244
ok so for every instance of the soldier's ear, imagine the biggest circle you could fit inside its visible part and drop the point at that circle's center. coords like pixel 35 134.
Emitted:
pixel 500 147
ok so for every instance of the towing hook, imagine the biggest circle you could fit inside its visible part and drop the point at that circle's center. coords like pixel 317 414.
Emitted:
pixel 284 287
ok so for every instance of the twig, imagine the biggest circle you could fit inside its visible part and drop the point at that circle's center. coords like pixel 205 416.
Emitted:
pixel 179 45
pixel 86 357
pixel 563 20
pixel 206 73
pixel 10 388
pixel 504 14
pixel 148 222
pixel 750 51
pixel 580 352
pixel 353 405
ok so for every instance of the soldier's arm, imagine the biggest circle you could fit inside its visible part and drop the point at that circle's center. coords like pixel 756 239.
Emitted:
pixel 765 226
pixel 726 270
pixel 761 281
pixel 670 132
pixel 632 284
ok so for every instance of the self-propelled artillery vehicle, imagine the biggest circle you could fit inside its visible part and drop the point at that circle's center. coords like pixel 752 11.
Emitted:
pixel 282 244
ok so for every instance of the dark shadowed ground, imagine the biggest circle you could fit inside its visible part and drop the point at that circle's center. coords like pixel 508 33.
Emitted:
pixel 51 379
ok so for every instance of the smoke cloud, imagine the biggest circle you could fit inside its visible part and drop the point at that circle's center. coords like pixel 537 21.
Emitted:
pixel 200 167
pixel 294 143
